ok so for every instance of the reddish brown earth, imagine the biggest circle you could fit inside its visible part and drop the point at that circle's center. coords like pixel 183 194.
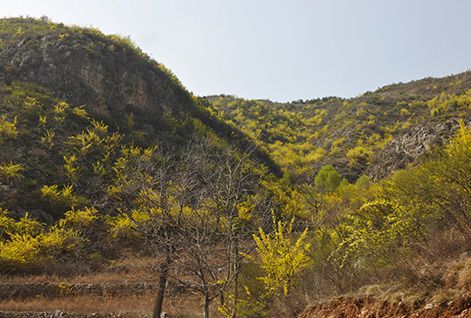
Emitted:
pixel 368 307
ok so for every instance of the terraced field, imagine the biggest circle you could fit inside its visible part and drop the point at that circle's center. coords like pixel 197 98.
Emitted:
pixel 124 289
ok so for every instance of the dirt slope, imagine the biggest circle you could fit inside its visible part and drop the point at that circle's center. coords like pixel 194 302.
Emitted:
pixel 371 308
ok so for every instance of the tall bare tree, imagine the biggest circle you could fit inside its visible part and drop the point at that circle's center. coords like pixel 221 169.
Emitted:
pixel 191 208
pixel 218 181
pixel 150 193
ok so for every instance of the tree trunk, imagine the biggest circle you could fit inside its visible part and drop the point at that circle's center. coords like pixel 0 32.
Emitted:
pixel 161 288
pixel 236 265
pixel 206 306
pixel 222 300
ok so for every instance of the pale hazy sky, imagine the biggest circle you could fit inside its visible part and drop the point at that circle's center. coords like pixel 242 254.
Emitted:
pixel 281 49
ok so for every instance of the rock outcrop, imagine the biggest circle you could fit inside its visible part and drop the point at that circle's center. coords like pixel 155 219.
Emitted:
pixel 409 145
pixel 84 68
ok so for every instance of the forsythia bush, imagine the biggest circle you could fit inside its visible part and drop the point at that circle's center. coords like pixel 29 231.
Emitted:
pixel 123 225
pixel 18 252
pixel 282 256
pixel 58 241
pixel 26 244
pixel 80 218
pixel 10 171
pixel 7 127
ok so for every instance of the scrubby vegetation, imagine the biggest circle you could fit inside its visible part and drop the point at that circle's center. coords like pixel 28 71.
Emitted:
pixel 78 190
pixel 302 136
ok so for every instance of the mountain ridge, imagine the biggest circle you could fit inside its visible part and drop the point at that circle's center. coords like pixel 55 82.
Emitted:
pixel 375 133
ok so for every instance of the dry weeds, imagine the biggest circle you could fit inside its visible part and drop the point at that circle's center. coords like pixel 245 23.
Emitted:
pixel 141 305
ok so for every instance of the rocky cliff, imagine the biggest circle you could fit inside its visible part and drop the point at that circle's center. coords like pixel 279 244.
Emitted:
pixel 84 66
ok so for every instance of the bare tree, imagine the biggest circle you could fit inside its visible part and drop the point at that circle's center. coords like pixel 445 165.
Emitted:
pixel 150 184
pixel 192 223
pixel 202 266
pixel 215 183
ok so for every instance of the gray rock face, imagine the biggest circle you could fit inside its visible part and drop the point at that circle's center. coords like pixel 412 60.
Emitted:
pixel 83 68
pixel 410 145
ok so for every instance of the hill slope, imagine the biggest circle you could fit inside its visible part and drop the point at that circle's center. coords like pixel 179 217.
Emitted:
pixel 375 133
pixel 61 84
pixel 113 78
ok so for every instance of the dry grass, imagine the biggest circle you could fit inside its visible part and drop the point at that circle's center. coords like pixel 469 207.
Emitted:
pixel 82 304
pixel 127 269
pixel 137 269
pixel 141 305
pixel 458 274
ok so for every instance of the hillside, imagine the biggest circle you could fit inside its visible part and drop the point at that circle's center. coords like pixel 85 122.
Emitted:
pixel 122 195
pixel 61 83
pixel 112 78
pixel 375 134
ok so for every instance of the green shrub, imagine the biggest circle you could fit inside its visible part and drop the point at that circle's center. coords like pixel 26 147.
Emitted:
pixel 328 179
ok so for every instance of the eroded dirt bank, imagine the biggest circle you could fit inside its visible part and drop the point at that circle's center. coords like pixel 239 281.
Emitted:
pixel 370 308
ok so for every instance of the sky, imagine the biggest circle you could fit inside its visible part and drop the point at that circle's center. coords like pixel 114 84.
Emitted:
pixel 281 49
